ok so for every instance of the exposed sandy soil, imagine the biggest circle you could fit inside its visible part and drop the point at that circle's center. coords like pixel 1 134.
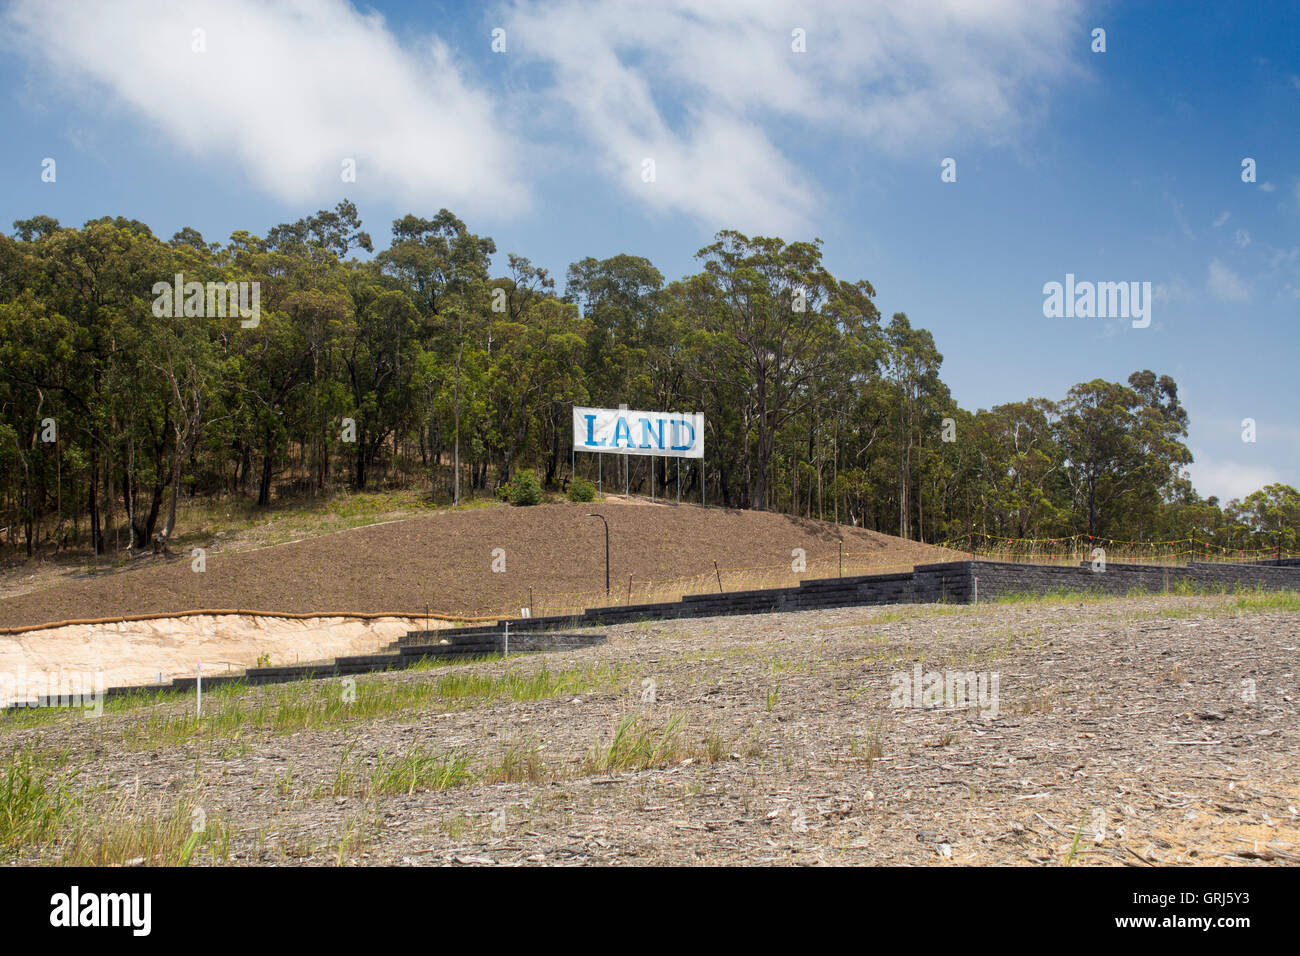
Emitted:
pixel 1159 730
pixel 138 652
pixel 445 561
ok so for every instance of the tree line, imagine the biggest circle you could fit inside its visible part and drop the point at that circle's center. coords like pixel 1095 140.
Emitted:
pixel 418 367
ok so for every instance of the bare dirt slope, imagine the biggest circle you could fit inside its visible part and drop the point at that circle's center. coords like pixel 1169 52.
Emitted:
pixel 445 562
pixel 141 653
pixel 1155 731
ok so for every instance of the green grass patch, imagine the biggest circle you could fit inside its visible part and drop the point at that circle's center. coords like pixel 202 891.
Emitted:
pixel 1248 601
pixel 1268 601
pixel 334 702
pixel 34 801
pixel 176 837
pixel 419 769
pixel 1054 596
pixel 636 745
pixel 521 762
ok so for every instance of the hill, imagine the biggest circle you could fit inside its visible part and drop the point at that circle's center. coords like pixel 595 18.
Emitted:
pixel 446 562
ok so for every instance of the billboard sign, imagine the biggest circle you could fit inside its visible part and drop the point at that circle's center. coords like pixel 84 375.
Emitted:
pixel 620 431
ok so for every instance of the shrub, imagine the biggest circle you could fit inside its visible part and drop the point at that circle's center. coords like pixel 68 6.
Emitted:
pixel 582 490
pixel 525 490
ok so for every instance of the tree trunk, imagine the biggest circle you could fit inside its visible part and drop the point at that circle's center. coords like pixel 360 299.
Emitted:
pixel 96 537
pixel 264 486
pixel 359 475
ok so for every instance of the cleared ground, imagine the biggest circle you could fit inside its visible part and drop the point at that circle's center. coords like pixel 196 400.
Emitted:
pixel 128 653
pixel 1137 732
pixel 446 561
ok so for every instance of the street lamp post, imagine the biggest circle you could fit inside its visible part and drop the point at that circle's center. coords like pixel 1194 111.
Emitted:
pixel 602 518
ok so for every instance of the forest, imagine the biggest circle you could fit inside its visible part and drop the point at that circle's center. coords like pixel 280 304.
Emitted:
pixel 417 367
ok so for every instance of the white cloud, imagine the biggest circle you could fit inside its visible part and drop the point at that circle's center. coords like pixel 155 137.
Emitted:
pixel 920 78
pixel 1267 187
pixel 1228 479
pixel 286 92
pixel 1285 265
pixel 1242 239
pixel 1280 258
pixel 1175 290
pixel 709 89
pixel 1221 219
pixel 1180 218
pixel 1225 285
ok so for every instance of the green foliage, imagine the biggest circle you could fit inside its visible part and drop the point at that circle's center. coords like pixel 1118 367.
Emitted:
pixel 525 489
pixel 33 801
pixel 385 374
pixel 581 490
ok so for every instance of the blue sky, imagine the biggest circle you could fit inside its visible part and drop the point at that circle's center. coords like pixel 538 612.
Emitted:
pixel 1115 166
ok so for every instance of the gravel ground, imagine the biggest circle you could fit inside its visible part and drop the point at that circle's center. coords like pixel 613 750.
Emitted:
pixel 1138 732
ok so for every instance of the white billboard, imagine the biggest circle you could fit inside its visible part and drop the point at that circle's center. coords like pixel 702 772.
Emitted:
pixel 621 431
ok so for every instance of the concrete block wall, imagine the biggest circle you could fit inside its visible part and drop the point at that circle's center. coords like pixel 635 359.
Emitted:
pixel 930 583
pixel 487 644
pixel 958 582
pixel 997 578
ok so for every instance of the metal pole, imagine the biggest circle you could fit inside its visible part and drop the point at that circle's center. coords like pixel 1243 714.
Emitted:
pixel 627 477
pixel 602 518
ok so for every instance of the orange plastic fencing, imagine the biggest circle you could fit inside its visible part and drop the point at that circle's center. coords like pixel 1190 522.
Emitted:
pixel 1079 547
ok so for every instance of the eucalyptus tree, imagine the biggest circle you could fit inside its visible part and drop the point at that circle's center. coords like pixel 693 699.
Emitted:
pixel 766 333
pixel 444 268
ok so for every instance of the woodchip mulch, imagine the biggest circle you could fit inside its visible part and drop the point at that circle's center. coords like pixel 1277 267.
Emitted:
pixel 1139 732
